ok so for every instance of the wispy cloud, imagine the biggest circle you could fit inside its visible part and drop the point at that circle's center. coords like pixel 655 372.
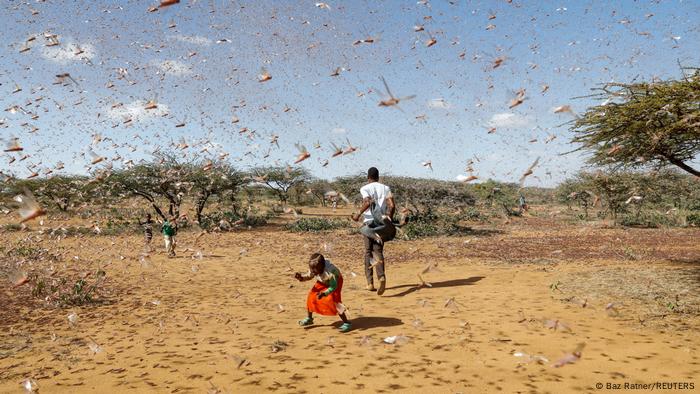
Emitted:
pixel 136 111
pixel 508 120
pixel 68 51
pixel 174 67
pixel 196 40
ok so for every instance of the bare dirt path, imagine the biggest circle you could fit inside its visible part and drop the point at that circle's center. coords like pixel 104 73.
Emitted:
pixel 227 321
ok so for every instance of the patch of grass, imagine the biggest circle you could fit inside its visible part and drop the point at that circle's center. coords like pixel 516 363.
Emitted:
pixel 23 250
pixel 651 295
pixel 64 293
pixel 11 227
pixel 315 225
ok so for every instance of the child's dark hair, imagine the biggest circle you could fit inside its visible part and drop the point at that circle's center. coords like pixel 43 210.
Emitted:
pixel 317 258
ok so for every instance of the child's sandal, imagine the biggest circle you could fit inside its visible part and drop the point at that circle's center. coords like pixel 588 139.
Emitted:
pixel 345 327
pixel 306 322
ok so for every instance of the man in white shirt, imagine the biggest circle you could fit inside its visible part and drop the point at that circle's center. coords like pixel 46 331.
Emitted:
pixel 379 194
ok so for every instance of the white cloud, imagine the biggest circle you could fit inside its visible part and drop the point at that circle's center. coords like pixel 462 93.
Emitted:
pixel 508 120
pixel 196 40
pixel 68 51
pixel 174 67
pixel 339 130
pixel 136 111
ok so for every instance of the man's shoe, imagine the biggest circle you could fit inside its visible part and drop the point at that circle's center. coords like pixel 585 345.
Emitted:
pixel 382 286
pixel 370 288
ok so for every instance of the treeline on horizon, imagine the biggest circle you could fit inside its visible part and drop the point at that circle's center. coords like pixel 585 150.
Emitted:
pixel 217 191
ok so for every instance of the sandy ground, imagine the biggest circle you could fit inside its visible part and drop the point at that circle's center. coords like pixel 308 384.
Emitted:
pixel 205 324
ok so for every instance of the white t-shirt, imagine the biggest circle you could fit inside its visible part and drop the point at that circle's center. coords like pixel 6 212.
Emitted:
pixel 378 193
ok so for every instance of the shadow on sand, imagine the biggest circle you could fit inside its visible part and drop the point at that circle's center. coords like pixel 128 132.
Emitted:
pixel 366 322
pixel 435 285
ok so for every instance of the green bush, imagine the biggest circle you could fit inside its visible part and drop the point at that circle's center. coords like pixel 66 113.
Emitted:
pixel 693 219
pixel 473 214
pixel 315 225
pixel 419 229
pixel 432 225
pixel 649 219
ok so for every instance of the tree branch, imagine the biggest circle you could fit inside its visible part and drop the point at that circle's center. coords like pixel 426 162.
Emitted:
pixel 680 164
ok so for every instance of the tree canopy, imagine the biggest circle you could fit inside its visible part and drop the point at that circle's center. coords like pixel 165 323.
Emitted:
pixel 643 123
pixel 280 180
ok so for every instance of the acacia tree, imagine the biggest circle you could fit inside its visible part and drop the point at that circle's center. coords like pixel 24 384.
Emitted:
pixel 350 186
pixel 166 178
pixel 318 189
pixel 503 195
pixel 579 190
pixel 280 180
pixel 141 180
pixel 643 123
pixel 63 191
pixel 207 180
pixel 623 191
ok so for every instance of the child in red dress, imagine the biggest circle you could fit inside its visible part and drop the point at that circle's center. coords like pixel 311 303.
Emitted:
pixel 324 298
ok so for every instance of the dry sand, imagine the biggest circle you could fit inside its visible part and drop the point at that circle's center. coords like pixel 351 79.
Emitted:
pixel 198 325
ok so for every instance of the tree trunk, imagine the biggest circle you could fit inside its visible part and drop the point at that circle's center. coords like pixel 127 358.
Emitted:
pixel 150 199
pixel 201 202
pixel 234 204
pixel 680 164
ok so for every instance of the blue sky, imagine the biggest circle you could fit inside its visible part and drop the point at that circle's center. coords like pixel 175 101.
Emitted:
pixel 200 61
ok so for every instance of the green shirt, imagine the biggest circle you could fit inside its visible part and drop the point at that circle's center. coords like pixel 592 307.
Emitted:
pixel 168 229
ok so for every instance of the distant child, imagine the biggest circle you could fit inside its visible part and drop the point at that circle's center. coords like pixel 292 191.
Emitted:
pixel 324 298
pixel 147 230
pixel 169 230
pixel 522 204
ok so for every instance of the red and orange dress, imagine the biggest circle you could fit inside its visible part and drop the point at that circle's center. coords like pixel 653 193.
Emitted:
pixel 329 282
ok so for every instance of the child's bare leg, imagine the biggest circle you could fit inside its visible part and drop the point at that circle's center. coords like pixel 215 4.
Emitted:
pixel 342 317
pixel 310 314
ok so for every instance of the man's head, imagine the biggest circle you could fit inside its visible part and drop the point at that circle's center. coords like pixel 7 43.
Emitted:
pixel 373 174
pixel 317 263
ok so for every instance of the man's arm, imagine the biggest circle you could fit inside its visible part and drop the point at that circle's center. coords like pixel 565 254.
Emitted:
pixel 365 206
pixel 390 206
